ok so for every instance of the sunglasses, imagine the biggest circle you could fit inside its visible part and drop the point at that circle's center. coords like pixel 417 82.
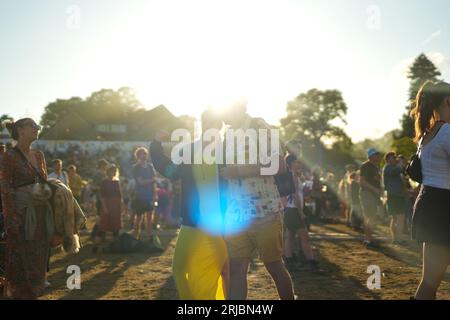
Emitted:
pixel 33 125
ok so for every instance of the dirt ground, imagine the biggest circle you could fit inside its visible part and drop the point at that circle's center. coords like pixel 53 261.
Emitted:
pixel 343 263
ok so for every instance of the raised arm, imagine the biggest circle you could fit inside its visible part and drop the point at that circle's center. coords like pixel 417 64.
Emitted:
pixel 161 162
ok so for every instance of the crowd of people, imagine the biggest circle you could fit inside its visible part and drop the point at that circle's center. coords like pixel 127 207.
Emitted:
pixel 228 212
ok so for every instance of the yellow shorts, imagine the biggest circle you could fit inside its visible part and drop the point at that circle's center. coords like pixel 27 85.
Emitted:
pixel 265 235
pixel 198 262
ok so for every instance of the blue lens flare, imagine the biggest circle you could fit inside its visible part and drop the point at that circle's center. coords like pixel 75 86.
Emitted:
pixel 212 218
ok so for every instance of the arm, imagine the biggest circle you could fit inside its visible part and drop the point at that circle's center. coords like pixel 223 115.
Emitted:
pixel 162 163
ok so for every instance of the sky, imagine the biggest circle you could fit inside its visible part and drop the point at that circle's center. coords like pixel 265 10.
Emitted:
pixel 191 54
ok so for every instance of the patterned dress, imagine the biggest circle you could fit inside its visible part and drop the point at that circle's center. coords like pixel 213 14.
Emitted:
pixel 26 261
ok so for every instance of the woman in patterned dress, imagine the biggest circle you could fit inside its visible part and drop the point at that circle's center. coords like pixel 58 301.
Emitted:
pixel 26 260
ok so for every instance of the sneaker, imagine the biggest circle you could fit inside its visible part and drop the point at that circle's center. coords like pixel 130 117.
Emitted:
pixel 47 284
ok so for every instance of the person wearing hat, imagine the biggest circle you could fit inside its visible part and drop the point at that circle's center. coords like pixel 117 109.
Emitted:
pixel 370 193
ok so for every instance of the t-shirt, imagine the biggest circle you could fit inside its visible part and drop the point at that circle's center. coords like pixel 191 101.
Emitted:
pixel 252 197
pixel 76 184
pixel 435 160
pixel 144 192
pixel 392 179
pixel 63 177
pixel 371 174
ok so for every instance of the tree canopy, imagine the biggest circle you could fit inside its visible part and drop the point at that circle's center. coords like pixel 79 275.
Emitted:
pixel 422 70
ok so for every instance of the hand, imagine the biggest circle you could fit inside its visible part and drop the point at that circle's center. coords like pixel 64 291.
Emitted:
pixel 229 173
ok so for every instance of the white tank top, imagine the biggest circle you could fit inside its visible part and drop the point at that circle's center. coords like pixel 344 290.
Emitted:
pixel 435 160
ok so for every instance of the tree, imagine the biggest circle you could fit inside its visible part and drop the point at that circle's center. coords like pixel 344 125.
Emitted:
pixel 5 117
pixel 311 118
pixel 105 105
pixel 421 70
pixel 310 115
pixel 55 111
pixel 404 146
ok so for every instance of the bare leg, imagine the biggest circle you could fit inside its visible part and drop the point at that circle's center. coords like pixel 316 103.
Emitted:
pixel 149 224
pixel 435 262
pixel 368 229
pixel 400 225
pixel 282 279
pixel 288 245
pixel 238 279
pixel 393 228
pixel 303 237
pixel 137 225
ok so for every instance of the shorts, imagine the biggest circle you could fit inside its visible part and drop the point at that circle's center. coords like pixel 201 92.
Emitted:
pixel 292 220
pixel 431 220
pixel 265 235
pixel 369 204
pixel 140 206
pixel 395 205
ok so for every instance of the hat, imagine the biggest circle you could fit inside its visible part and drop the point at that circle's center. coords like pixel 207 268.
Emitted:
pixel 371 152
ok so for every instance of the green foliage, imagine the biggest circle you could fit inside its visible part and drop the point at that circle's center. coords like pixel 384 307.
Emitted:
pixel 102 106
pixel 5 117
pixel 311 118
pixel 404 146
pixel 421 70
pixel 383 144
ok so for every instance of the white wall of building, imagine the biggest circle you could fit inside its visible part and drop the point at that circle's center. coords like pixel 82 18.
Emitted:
pixel 90 146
